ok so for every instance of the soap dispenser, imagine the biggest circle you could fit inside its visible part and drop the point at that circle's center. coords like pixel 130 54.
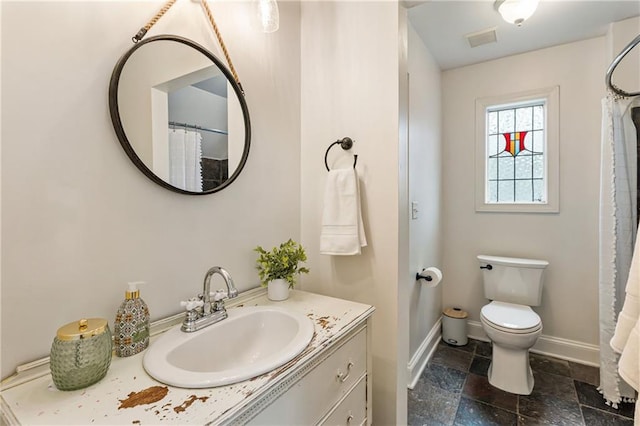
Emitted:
pixel 131 328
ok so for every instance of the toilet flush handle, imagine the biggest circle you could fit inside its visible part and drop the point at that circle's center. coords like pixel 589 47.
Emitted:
pixel 488 267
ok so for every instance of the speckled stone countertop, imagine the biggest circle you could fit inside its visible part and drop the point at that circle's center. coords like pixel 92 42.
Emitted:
pixel 128 395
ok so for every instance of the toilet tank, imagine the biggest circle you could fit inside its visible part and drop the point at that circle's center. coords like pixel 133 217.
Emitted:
pixel 513 280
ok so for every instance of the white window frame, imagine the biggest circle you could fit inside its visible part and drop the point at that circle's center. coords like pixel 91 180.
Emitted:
pixel 551 97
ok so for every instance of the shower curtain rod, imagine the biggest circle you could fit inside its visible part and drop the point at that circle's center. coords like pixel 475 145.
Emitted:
pixel 192 126
pixel 613 66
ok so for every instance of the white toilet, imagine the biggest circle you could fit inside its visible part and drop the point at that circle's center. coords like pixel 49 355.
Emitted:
pixel 513 285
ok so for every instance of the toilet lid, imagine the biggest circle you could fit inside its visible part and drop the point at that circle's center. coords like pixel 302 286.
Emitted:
pixel 511 317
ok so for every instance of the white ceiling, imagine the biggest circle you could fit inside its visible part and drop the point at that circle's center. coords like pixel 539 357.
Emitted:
pixel 443 24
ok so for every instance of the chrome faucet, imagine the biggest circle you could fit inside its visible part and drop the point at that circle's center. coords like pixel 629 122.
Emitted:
pixel 201 311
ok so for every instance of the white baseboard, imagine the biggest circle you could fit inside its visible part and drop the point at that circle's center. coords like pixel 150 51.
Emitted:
pixel 423 354
pixel 570 350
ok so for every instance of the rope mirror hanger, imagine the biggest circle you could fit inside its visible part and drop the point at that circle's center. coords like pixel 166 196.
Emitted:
pixel 209 15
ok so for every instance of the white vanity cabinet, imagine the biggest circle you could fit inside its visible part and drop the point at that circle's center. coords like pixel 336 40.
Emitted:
pixel 327 384
pixel 331 390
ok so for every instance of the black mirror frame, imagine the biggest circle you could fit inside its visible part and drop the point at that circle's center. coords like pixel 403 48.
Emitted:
pixel 122 137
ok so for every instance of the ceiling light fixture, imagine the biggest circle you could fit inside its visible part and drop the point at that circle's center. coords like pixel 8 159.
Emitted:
pixel 516 11
pixel 268 15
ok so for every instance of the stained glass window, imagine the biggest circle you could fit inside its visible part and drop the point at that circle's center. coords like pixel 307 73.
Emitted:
pixel 515 153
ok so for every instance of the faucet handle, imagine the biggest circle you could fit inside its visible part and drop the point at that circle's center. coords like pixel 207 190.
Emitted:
pixel 219 295
pixel 191 304
pixel 218 300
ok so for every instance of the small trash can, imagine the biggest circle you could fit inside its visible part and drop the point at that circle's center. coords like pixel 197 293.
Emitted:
pixel 454 326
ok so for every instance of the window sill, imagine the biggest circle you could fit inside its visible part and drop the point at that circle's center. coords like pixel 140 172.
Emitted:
pixel 517 208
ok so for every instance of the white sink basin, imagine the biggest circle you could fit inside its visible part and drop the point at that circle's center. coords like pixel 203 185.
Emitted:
pixel 250 342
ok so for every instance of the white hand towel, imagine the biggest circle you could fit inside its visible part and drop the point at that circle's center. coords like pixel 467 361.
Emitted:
pixel 629 365
pixel 626 339
pixel 628 317
pixel 342 229
pixel 629 361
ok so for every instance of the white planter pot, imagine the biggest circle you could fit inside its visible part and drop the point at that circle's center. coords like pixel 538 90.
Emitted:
pixel 278 290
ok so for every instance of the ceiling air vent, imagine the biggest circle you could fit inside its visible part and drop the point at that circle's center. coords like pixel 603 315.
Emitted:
pixel 482 37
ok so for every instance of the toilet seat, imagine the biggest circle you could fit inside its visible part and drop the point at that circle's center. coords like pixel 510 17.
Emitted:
pixel 511 318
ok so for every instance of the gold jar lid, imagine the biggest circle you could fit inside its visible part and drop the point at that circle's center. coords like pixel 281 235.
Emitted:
pixel 83 329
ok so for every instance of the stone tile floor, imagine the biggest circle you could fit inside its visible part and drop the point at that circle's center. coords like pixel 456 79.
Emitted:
pixel 454 390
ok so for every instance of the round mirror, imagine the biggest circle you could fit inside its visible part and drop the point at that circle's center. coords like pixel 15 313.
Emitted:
pixel 180 115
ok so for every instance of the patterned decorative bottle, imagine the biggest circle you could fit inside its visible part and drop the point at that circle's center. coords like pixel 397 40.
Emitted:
pixel 131 328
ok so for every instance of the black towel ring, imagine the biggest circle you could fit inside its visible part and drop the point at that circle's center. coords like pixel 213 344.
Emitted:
pixel 346 143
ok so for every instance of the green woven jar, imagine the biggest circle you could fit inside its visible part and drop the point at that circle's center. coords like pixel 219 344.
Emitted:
pixel 81 353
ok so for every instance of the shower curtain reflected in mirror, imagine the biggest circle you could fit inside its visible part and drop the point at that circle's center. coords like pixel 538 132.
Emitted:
pixel 185 159
pixel 618 228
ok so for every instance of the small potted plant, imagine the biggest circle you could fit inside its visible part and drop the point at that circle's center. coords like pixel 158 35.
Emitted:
pixel 278 268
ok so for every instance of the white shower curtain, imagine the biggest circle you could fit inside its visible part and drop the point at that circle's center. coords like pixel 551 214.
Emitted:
pixel 185 156
pixel 618 218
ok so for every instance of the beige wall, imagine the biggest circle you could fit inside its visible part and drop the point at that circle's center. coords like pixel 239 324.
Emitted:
pixel 78 219
pixel 425 168
pixel 350 87
pixel 568 240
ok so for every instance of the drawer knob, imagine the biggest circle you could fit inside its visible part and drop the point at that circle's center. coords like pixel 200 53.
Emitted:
pixel 343 376
pixel 349 418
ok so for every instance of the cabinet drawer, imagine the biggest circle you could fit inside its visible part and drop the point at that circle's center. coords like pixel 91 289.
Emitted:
pixel 314 395
pixel 352 410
